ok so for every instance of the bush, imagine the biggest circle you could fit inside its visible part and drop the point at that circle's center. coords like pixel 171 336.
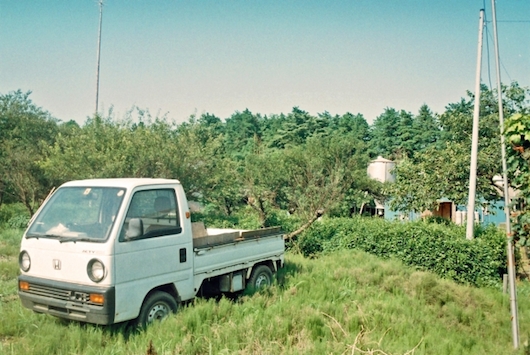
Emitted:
pixel 14 215
pixel 247 218
pixel 18 222
pixel 442 249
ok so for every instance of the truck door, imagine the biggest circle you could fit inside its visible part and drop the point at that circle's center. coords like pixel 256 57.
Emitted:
pixel 152 250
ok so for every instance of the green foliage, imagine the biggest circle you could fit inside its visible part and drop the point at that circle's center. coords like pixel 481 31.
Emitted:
pixel 398 135
pixel 442 249
pixel 247 218
pixel 293 162
pixel 440 172
pixel 437 220
pixel 517 132
pixel 241 219
pixel 19 221
pixel 344 302
pixel 25 131
pixel 252 170
pixel 324 172
pixel 10 244
pixel 12 211
pixel 242 131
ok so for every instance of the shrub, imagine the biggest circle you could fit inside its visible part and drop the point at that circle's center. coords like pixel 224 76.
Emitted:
pixel 247 218
pixel 14 215
pixel 18 222
pixel 442 249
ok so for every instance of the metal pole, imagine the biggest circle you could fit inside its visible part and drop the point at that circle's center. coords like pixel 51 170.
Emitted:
pixel 98 54
pixel 474 140
pixel 509 240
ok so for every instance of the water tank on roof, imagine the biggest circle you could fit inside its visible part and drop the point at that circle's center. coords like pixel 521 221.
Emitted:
pixel 381 169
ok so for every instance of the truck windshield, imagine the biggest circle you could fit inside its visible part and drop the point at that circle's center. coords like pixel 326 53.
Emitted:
pixel 78 214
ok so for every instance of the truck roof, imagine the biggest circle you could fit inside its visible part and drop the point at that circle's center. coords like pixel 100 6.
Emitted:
pixel 121 182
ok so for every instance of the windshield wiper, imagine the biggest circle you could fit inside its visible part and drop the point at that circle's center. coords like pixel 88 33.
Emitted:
pixel 37 236
pixel 75 239
pixel 61 238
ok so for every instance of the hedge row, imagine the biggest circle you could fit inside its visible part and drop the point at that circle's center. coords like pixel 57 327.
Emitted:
pixel 442 249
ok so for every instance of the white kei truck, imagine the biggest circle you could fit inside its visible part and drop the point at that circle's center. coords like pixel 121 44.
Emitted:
pixel 105 251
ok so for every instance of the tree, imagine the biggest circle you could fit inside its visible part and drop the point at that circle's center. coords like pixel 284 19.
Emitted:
pixel 206 170
pixel 296 128
pixel 442 170
pixel 517 132
pixel 321 173
pixel 352 126
pixel 263 180
pixel 426 129
pixel 96 150
pixel 385 139
pixel 25 130
pixel 437 173
pixel 242 129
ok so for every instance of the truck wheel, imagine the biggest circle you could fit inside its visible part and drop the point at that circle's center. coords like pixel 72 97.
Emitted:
pixel 156 307
pixel 261 277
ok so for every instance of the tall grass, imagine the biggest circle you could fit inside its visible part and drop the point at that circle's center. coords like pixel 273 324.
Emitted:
pixel 343 302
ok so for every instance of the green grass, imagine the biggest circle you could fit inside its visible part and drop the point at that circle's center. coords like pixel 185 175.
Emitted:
pixel 341 303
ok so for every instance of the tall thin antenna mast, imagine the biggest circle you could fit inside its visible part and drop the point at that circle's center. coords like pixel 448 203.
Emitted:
pixel 98 54
pixel 509 239
pixel 474 141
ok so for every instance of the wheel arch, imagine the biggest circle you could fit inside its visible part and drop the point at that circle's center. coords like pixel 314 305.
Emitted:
pixel 167 288
pixel 269 263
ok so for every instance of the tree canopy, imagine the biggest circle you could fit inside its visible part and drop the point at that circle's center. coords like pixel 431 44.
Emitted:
pixel 297 163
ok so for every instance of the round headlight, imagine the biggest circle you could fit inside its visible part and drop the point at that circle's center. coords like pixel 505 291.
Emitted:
pixel 24 261
pixel 96 270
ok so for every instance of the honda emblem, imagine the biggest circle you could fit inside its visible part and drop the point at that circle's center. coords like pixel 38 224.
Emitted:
pixel 57 264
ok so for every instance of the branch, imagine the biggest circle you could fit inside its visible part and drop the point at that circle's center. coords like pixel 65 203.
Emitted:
pixel 317 215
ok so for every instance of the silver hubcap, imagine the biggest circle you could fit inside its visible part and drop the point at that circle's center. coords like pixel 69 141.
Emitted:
pixel 262 280
pixel 158 312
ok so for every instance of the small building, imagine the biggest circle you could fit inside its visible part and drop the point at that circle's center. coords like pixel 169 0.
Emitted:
pixel 493 213
pixel 381 169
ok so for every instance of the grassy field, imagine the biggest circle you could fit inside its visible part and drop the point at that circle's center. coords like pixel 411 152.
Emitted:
pixel 347 302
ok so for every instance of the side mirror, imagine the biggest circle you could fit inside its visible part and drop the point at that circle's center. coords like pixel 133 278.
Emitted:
pixel 135 230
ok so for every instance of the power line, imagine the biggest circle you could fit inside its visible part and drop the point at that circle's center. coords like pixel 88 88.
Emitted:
pixel 488 34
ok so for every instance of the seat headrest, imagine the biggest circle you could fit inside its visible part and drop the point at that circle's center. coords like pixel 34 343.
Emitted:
pixel 162 204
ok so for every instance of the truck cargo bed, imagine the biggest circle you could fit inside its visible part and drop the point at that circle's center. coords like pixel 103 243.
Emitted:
pixel 204 238
pixel 232 250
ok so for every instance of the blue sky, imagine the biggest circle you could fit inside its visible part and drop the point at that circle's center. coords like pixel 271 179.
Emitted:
pixel 190 57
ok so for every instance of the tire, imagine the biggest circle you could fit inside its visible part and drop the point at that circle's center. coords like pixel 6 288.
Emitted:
pixel 156 307
pixel 261 277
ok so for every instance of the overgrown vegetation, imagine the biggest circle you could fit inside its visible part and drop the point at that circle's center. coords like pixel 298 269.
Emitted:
pixel 440 248
pixel 252 171
pixel 345 301
pixel 517 130
pixel 292 163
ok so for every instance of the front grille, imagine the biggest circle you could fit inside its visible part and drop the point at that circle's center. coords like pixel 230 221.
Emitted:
pixel 60 294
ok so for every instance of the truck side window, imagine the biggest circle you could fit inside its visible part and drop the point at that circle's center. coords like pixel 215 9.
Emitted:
pixel 158 212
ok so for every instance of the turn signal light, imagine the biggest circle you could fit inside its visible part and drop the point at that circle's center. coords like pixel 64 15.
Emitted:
pixel 97 298
pixel 23 286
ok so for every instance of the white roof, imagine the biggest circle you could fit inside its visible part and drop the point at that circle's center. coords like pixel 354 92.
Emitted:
pixel 121 182
pixel 380 159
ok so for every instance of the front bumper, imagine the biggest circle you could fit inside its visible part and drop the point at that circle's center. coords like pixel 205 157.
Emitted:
pixel 68 300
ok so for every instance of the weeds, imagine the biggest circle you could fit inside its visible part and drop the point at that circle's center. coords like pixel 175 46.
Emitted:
pixel 344 302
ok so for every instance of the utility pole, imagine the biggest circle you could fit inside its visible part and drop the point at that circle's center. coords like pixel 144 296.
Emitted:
pixel 509 239
pixel 98 54
pixel 474 142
